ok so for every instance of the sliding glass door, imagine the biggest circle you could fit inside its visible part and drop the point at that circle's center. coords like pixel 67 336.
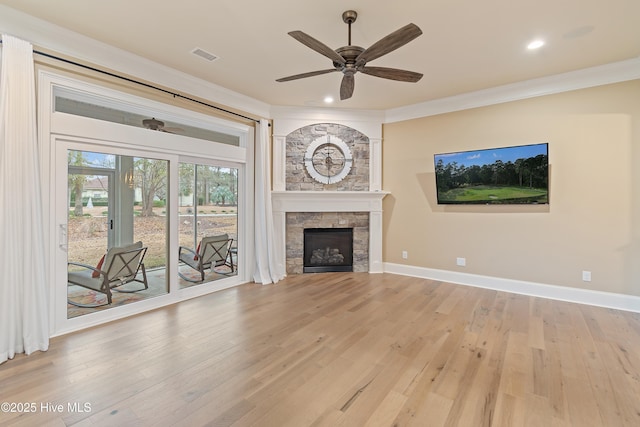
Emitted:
pixel 208 207
pixel 127 199
pixel 113 202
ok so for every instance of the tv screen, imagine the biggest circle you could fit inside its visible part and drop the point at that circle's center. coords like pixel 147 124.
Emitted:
pixel 506 175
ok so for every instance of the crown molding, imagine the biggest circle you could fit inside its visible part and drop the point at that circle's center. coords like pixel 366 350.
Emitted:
pixel 44 35
pixel 288 119
pixel 589 77
pixel 325 113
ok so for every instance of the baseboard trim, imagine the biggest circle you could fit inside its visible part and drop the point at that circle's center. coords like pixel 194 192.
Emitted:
pixel 561 293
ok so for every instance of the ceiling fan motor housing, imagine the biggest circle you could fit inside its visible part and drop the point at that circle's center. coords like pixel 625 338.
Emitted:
pixel 153 123
pixel 349 53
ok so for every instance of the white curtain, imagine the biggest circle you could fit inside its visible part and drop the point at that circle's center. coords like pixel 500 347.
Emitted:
pixel 269 268
pixel 23 280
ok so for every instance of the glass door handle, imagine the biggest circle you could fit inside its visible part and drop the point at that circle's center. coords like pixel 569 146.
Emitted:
pixel 62 237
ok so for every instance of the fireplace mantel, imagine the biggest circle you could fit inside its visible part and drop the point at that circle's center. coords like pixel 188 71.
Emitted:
pixel 328 201
pixel 332 201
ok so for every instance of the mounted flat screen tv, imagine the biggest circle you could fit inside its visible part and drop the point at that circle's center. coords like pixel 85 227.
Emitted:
pixel 506 175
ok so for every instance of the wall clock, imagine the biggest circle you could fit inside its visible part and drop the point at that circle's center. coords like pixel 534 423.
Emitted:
pixel 328 159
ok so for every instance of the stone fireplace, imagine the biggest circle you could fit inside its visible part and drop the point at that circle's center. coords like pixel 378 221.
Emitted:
pixel 355 202
pixel 298 222
pixel 361 210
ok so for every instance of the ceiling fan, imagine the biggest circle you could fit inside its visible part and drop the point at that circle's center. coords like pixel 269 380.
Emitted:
pixel 351 59
pixel 158 125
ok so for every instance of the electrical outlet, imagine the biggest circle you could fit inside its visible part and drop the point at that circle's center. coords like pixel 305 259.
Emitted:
pixel 461 261
pixel 405 254
pixel 586 276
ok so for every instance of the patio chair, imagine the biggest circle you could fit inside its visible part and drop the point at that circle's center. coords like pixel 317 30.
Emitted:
pixel 119 266
pixel 212 252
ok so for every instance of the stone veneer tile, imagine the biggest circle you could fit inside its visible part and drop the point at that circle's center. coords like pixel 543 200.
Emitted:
pixel 298 179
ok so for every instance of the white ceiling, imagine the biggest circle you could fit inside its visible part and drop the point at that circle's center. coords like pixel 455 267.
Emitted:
pixel 466 45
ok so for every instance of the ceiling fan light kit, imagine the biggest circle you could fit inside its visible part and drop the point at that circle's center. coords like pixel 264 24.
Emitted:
pixel 352 59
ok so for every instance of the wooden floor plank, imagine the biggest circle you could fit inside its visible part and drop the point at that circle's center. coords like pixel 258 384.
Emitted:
pixel 341 349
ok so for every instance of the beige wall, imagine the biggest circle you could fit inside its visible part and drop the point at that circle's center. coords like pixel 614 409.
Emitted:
pixel 591 223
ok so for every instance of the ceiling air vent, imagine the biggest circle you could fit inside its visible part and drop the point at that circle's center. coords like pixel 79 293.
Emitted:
pixel 204 54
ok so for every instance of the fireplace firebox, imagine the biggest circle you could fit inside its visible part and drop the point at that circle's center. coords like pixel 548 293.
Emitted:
pixel 328 249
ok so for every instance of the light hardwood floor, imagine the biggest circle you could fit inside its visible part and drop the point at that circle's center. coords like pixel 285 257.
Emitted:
pixel 341 349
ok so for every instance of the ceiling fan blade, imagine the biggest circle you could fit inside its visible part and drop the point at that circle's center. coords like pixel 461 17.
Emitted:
pixel 389 43
pixel 171 130
pixel 303 75
pixel 347 86
pixel 318 46
pixel 392 74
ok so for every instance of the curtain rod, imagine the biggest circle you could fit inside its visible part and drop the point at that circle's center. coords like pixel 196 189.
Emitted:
pixel 127 79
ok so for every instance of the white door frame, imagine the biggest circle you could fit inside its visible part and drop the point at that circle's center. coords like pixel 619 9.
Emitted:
pixel 60 132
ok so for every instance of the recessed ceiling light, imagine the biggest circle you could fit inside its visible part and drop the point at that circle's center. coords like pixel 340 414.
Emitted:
pixel 328 99
pixel 536 44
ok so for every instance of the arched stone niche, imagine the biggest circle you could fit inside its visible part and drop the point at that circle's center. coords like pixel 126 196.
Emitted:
pixel 297 177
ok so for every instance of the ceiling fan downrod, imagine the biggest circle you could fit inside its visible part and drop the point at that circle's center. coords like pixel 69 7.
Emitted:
pixel 349 17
